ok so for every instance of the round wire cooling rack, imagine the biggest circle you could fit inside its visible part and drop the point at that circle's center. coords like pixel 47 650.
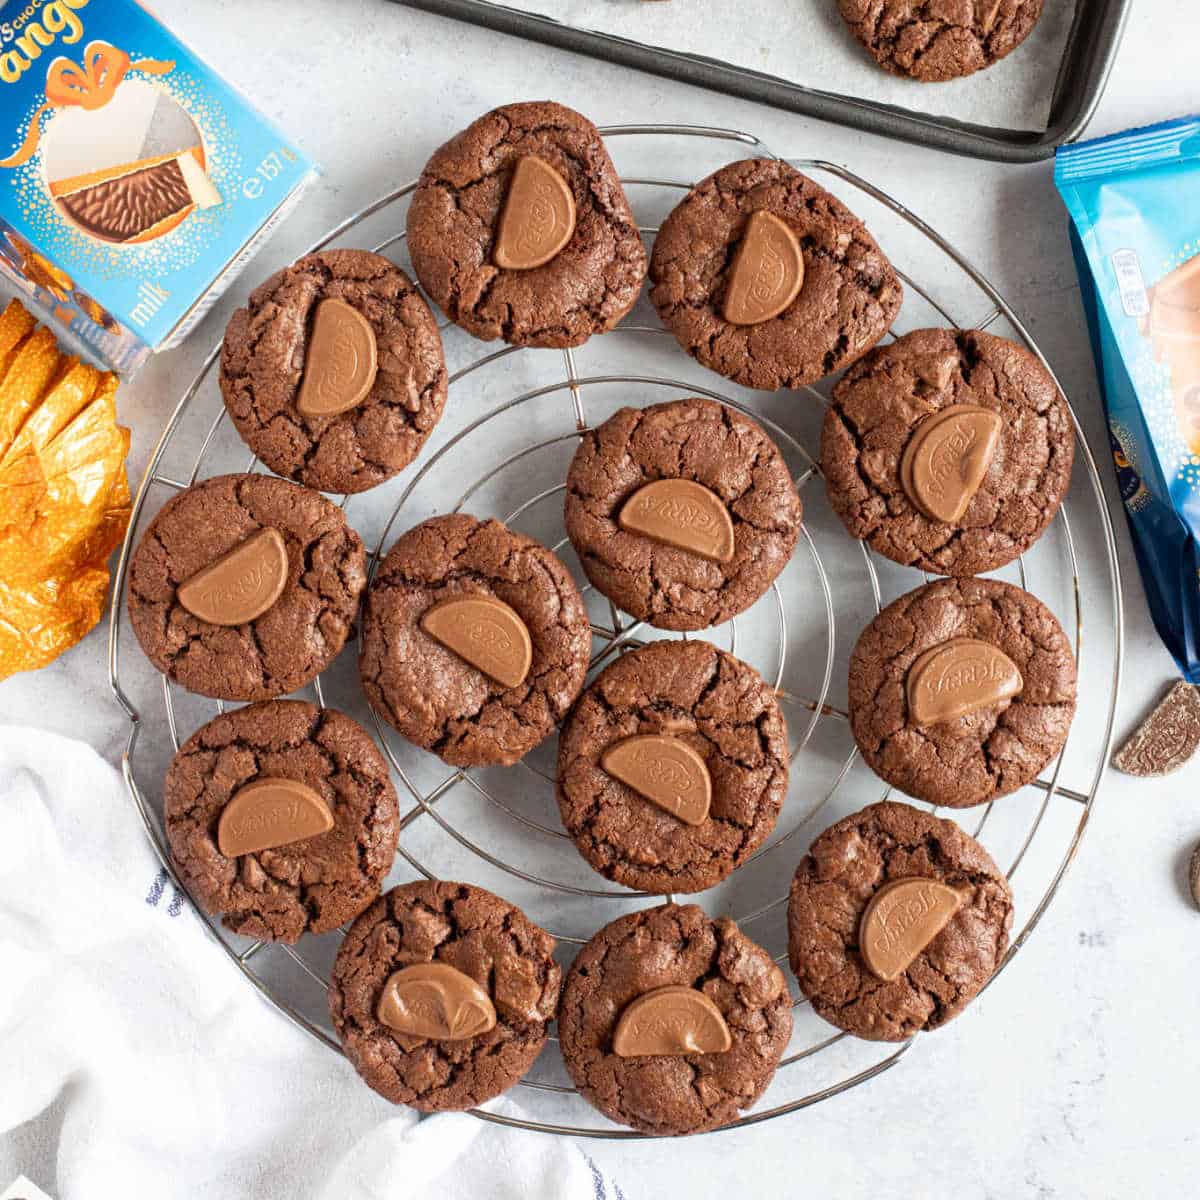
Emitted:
pixel 511 425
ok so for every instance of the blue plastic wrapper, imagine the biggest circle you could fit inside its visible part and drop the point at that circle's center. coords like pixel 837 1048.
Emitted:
pixel 1134 200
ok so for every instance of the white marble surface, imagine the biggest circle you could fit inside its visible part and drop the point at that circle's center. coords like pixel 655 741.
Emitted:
pixel 1074 1075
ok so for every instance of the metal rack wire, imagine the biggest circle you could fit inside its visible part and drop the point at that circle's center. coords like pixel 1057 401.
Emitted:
pixel 802 669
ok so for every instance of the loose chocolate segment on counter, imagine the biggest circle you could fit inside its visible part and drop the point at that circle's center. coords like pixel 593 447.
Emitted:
pixel 767 274
pixel 947 459
pixel 671 1020
pixel 341 363
pixel 902 918
pixel 538 218
pixel 958 677
pixel 435 1000
pixel 1167 738
pixel 485 632
pixel 666 770
pixel 271 812
pixel 682 513
pixel 240 585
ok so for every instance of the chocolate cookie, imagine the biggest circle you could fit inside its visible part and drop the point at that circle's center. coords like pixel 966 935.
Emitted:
pixel 673 767
pixel 712 1046
pixel 486 680
pixel 333 373
pixel 681 513
pixel 282 818
pixel 847 297
pixel 519 229
pixel 441 995
pixel 949 451
pixel 896 920
pixel 940 41
pixel 245 587
pixel 962 691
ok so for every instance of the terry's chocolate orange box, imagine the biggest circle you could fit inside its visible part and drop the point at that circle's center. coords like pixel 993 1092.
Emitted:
pixel 134 182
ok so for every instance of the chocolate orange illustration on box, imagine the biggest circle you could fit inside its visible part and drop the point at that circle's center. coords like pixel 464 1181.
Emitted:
pixel 122 160
pixel 1173 327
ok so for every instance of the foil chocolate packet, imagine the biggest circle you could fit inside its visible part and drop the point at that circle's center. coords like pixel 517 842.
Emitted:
pixel 1134 200
pixel 134 182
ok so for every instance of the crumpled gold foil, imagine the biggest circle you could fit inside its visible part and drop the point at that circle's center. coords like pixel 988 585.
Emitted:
pixel 64 494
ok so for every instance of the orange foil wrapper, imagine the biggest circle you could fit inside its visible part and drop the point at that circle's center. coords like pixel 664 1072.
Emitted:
pixel 64 494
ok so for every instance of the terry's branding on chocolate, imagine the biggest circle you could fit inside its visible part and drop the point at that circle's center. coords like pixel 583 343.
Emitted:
pixel 958 677
pixel 902 918
pixel 947 458
pixel 538 218
pixel 435 1000
pixel 340 366
pixel 134 182
pixel 680 513
pixel 485 632
pixel 666 770
pixel 240 585
pixel 671 1020
pixel 767 274
pixel 271 812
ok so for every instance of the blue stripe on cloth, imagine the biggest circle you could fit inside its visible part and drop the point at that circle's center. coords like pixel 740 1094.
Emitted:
pixel 176 903
pixel 597 1178
pixel 154 895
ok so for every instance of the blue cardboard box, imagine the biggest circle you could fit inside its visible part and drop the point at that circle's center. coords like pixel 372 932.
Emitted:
pixel 135 183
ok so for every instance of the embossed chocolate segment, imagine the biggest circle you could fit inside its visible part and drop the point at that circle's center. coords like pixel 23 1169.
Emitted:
pixel 485 632
pixel 538 218
pixel 902 918
pixel 341 362
pixel 947 458
pixel 767 274
pixel 435 1000
pixel 959 677
pixel 666 770
pixel 680 513
pixel 1167 738
pixel 671 1020
pixel 240 585
pixel 271 812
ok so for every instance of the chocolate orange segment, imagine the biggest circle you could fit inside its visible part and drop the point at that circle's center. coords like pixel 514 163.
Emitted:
pixel 269 813
pixel 435 1000
pixel 947 459
pixel 901 919
pixel 958 677
pixel 240 585
pixel 538 218
pixel 671 1020
pixel 768 271
pixel 681 513
pixel 485 632
pixel 341 363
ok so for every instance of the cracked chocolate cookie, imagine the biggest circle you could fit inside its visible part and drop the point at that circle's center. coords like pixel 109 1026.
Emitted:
pixel 475 640
pixel 896 920
pixel 669 1075
pixel 936 40
pixel 333 373
pixel 524 182
pixel 848 292
pixel 281 818
pixel 949 451
pixel 962 691
pixel 441 995
pixel 245 587
pixel 673 767
pixel 682 513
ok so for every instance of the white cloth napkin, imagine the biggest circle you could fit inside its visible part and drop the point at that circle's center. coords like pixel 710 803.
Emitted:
pixel 173 1077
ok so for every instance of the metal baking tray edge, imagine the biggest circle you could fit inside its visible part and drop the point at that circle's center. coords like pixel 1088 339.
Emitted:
pixel 1087 62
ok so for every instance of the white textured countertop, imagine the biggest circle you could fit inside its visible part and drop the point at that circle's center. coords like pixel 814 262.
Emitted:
pixel 1075 1074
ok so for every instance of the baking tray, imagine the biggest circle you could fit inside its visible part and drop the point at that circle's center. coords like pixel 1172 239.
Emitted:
pixel 1087 61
